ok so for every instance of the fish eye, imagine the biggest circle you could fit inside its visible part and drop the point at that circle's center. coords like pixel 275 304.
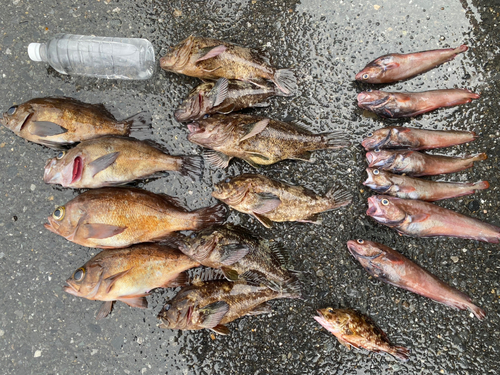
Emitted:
pixel 59 213
pixel 60 155
pixel 377 150
pixel 12 110
pixel 376 172
pixel 227 180
pixel 365 76
pixel 79 274
pixel 369 135
pixel 385 202
pixel 167 307
pixel 330 310
pixel 369 90
pixel 360 242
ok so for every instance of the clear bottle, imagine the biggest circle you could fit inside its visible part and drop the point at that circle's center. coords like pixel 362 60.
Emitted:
pixel 94 56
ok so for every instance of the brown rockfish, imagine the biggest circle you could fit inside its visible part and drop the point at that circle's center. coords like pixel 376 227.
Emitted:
pixel 389 266
pixel 270 200
pixel 258 140
pixel 351 328
pixel 415 139
pixel 59 122
pixel 113 160
pixel 423 219
pixel 396 67
pixel 212 304
pixel 128 275
pixel 414 163
pixel 411 104
pixel 224 96
pixel 207 58
pixel 384 182
pixel 120 217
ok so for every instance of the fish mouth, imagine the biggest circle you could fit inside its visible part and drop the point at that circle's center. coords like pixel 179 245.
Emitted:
pixel 77 169
pixel 167 61
pixel 351 246
pixel 362 96
pixel 373 209
pixel 370 158
pixel 359 76
pixel 71 289
pixel 194 128
pixel 48 176
pixel 51 225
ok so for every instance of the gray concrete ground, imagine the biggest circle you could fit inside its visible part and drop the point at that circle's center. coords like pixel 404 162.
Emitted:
pixel 43 330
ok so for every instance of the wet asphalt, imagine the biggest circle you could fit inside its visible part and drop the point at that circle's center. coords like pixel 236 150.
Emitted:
pixel 43 330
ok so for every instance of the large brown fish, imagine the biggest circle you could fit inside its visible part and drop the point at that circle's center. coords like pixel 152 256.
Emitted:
pixel 389 266
pixel 113 160
pixel 224 97
pixel 59 122
pixel 410 104
pixel 212 304
pixel 415 188
pixel 396 67
pixel 120 217
pixel 258 140
pixel 270 200
pixel 414 163
pixel 128 275
pixel 207 58
pixel 415 139
pixel 352 328
pixel 423 219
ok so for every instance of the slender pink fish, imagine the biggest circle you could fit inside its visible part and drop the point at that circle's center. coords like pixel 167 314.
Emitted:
pixel 423 219
pixel 384 182
pixel 391 267
pixel 396 67
pixel 414 163
pixel 410 104
pixel 415 139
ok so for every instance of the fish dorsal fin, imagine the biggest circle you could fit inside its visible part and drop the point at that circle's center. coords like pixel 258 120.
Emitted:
pixel 104 310
pixel 264 220
pixel 173 201
pixel 255 128
pixel 219 91
pixel 206 274
pixel 103 162
pixel 313 219
pixel 221 329
pixel 214 52
pixel 217 159
pixel 255 278
pixel 339 195
pixel 233 253
pixel 139 301
pixel 279 253
pixel 110 281
pixel 266 202
pixel 213 313
pixel 100 231
pixel 47 129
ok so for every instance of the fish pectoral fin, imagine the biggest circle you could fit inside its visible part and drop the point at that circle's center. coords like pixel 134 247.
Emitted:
pixel 219 92
pixel 102 163
pixel 217 159
pixel 261 105
pixel 405 189
pixel 221 329
pixel 263 308
pixel 182 279
pixel 109 281
pixel 233 253
pixel 304 156
pixel 256 278
pixel 213 314
pixel 390 65
pixel 230 274
pixel 214 52
pixel 100 231
pixel 104 310
pixel 255 128
pixel 264 220
pixel 47 129
pixel 266 202
pixel 345 341
pixel 139 301
pixel 418 218
pixel 279 253
pixel 313 219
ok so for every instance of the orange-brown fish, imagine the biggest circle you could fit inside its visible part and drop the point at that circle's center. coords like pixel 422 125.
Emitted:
pixel 114 160
pixel 352 328
pixel 396 67
pixel 212 59
pixel 423 219
pixel 128 275
pixel 415 139
pixel 410 104
pixel 270 200
pixel 120 217
pixel 389 266
pixel 59 122
pixel 258 140
pixel 405 187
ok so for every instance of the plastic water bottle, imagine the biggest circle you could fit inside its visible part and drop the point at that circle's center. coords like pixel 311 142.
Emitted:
pixel 94 56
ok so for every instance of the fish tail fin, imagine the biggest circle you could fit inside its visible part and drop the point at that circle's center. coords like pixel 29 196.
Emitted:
pixel 339 196
pixel 460 49
pixel 285 80
pixel 481 156
pixel 192 166
pixel 337 139
pixel 208 216
pixel 481 185
pixel 140 125
pixel 401 353
pixel 291 288
pixel 477 311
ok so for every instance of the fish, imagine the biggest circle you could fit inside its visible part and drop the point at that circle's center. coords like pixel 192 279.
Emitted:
pixel 112 161
pixel 395 137
pixel 235 251
pixel 424 219
pixel 258 140
pixel 391 267
pixel 224 96
pixel 397 67
pixel 351 328
pixel 411 104
pixel 119 217
pixel 414 163
pixel 212 59
pixel 128 275
pixel 405 187
pixel 270 200
pixel 61 122
pixel 213 304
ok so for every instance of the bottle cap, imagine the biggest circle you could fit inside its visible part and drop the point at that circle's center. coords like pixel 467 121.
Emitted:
pixel 34 51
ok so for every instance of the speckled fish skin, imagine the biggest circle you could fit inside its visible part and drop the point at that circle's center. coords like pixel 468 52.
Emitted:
pixel 270 200
pixel 128 275
pixel 59 122
pixel 405 187
pixel 212 304
pixel 352 328
pixel 120 217
pixel 258 140
pixel 391 267
pixel 240 95
pixel 411 104
pixel 111 161
pixel 396 67
pixel 423 219
pixel 397 137
pixel 212 59
pixel 414 163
